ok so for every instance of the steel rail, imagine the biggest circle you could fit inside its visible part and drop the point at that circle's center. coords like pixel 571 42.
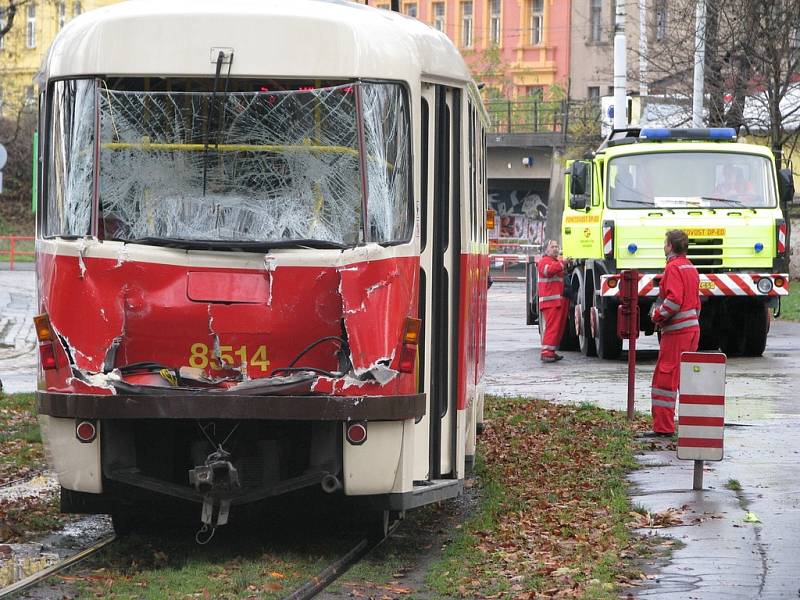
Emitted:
pixel 338 567
pixel 31 580
pixel 21 479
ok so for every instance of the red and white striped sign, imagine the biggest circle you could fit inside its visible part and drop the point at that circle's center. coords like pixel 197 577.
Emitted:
pixel 608 240
pixel 701 408
pixel 781 237
pixel 711 284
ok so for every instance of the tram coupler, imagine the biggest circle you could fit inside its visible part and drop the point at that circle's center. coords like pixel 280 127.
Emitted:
pixel 216 473
pixel 207 514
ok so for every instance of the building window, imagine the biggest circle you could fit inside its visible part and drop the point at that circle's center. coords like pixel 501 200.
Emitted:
pixel 438 15
pixel 466 24
pixel 76 9
pixel 596 20
pixel 535 92
pixel 536 8
pixel 62 14
pixel 30 30
pixel 30 100
pixel 593 91
pixel 494 22
pixel 410 9
pixel 661 19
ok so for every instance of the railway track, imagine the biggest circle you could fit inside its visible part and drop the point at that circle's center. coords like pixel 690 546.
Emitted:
pixel 339 566
pixel 39 576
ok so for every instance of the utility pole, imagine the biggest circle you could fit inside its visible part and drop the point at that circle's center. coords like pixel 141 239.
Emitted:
pixel 642 48
pixel 620 69
pixel 699 64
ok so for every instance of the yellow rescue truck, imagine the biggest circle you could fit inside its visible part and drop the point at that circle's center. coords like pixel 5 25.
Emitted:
pixel 641 183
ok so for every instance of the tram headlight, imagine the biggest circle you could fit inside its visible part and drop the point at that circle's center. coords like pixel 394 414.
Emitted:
pixel 764 285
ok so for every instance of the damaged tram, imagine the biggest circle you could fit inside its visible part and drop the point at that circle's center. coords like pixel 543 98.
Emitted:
pixel 261 257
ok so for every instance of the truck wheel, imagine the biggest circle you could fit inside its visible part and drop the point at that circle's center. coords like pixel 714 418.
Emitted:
pixel 582 323
pixel 755 331
pixel 709 330
pixel 608 345
pixel 569 341
pixel 733 340
pixel 531 297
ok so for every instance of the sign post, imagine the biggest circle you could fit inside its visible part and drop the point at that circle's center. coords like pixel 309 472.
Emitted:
pixel 701 419
pixel 628 326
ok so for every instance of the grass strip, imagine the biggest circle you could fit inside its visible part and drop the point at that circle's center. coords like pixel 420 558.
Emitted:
pixel 232 566
pixel 790 305
pixel 23 517
pixel 21 451
pixel 554 512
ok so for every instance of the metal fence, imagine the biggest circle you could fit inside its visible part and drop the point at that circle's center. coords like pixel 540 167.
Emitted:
pixel 540 116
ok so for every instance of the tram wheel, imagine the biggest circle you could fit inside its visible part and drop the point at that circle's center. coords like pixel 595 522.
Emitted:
pixel 124 522
pixel 378 526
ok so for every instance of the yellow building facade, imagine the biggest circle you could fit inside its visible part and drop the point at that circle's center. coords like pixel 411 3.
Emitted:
pixel 22 49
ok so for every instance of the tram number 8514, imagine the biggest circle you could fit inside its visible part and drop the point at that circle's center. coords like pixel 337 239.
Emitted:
pixel 200 358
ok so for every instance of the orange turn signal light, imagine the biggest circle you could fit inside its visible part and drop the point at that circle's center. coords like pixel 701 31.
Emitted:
pixel 612 282
pixel 43 330
pixel 490 214
pixel 779 282
pixel 412 329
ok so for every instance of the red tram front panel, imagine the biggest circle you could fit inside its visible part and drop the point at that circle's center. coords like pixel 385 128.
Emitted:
pixel 224 321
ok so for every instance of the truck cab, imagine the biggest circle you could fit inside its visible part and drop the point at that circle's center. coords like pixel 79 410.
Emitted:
pixel 640 183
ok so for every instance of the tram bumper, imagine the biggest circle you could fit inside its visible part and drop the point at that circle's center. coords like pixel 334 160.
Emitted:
pixel 309 426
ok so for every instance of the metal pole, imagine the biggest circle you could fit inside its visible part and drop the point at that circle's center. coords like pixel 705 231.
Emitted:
pixel 698 475
pixel 631 362
pixel 642 48
pixel 620 69
pixel 699 64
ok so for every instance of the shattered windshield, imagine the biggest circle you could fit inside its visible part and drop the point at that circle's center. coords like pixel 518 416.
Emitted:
pixel 269 164
pixel 691 179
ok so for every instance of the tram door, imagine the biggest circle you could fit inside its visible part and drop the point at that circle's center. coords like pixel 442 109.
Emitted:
pixel 440 246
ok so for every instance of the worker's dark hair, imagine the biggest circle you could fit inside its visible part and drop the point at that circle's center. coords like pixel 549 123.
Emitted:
pixel 679 240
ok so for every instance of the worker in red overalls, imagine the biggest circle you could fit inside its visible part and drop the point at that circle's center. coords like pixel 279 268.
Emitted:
pixel 553 305
pixel 676 313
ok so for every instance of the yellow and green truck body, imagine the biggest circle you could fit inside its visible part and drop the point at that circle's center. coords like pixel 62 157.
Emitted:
pixel 641 183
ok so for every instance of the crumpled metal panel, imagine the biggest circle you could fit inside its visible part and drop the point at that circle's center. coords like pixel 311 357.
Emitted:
pixel 133 312
pixel 377 297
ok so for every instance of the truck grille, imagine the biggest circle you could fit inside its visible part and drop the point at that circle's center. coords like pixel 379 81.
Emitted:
pixel 705 252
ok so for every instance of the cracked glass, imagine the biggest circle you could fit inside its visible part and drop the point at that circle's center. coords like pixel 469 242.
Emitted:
pixel 282 163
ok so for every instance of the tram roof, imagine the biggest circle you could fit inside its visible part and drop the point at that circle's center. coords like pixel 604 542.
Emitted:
pixel 277 38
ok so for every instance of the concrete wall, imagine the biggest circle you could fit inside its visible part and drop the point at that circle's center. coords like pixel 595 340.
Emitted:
pixel 794 260
pixel 555 202
pixel 506 163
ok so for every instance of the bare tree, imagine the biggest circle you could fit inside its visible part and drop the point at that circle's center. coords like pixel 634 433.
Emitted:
pixel 752 64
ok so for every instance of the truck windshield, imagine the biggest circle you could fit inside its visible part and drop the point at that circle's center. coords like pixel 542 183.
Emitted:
pixel 261 164
pixel 690 180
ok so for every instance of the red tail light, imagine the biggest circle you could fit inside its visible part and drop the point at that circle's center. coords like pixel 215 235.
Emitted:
pixel 408 358
pixel 47 356
pixel 86 431
pixel 356 433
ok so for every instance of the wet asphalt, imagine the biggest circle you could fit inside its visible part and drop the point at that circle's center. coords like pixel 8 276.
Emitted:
pixel 722 556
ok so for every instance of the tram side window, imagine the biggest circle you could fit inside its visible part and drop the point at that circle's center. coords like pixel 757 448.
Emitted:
pixel 70 158
pixel 386 133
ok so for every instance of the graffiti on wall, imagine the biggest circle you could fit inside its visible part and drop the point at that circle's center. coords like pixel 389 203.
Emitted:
pixel 521 215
